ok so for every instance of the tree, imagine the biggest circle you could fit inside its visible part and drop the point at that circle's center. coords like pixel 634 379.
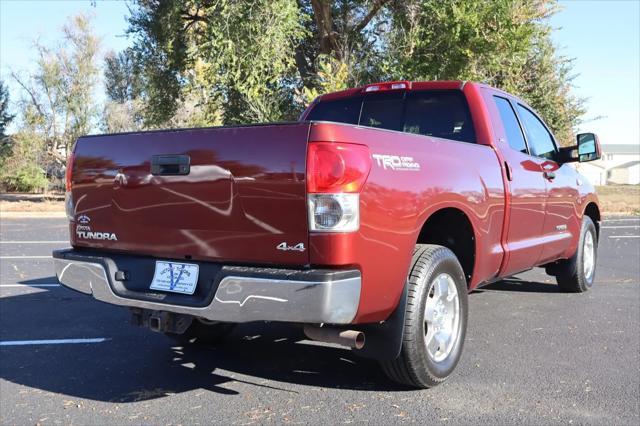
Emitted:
pixel 124 87
pixel 264 60
pixel 123 76
pixel 59 104
pixel 229 56
pixel 504 43
pixel 56 108
pixel 250 60
pixel 21 170
pixel 5 117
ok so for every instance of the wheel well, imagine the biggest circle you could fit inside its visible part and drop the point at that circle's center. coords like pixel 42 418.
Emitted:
pixel 594 213
pixel 451 228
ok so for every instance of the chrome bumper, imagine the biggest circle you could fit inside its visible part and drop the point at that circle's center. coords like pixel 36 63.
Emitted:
pixel 237 298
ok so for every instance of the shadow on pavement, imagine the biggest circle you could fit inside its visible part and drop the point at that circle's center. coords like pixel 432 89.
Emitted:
pixel 516 284
pixel 48 280
pixel 136 364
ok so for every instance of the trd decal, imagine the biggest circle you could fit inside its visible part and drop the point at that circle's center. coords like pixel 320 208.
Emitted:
pixel 396 162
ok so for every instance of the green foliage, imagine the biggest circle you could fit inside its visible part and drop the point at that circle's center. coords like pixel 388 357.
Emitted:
pixel 20 170
pixel 504 43
pixel 332 76
pixel 60 104
pixel 233 58
pixel 211 62
pixel 125 90
pixel 250 61
pixel 123 76
pixel 5 116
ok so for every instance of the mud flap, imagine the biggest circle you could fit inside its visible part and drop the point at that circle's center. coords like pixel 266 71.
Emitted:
pixel 383 341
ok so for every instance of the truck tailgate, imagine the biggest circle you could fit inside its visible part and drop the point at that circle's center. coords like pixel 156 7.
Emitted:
pixel 243 196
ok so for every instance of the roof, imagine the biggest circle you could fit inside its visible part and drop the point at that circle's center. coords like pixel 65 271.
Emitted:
pixel 627 165
pixel 620 148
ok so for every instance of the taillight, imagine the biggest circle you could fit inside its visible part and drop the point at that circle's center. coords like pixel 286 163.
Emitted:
pixel 337 167
pixel 68 172
pixel 68 175
pixel 336 173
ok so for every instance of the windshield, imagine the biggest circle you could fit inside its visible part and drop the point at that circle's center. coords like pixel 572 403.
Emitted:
pixel 438 113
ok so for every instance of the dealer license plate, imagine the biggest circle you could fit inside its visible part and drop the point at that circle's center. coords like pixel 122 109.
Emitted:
pixel 175 277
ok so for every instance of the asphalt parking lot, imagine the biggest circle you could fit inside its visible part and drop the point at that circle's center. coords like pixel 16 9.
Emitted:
pixel 533 355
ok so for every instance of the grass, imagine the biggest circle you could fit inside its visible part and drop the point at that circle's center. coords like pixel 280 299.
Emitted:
pixel 619 199
pixel 41 203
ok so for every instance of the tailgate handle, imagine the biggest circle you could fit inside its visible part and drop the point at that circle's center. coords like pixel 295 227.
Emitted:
pixel 170 165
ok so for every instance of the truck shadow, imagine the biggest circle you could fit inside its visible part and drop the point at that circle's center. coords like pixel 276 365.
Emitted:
pixel 520 285
pixel 136 365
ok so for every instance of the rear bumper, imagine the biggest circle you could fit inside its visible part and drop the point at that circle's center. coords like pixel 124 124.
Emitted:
pixel 227 293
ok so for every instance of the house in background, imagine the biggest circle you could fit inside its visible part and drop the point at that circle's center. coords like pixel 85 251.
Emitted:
pixel 620 164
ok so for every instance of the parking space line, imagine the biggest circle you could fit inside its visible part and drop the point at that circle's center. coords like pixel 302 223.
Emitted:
pixel 34 242
pixel 622 220
pixel 624 236
pixel 52 341
pixel 621 226
pixel 25 257
pixel 29 285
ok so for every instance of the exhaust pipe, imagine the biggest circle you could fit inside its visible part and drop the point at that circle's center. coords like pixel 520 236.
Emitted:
pixel 351 338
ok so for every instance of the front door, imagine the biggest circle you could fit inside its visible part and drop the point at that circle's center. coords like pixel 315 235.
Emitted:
pixel 560 222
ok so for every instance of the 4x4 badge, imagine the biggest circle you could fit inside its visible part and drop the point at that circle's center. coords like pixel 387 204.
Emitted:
pixel 285 247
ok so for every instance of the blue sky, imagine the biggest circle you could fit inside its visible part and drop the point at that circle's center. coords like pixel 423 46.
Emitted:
pixel 602 36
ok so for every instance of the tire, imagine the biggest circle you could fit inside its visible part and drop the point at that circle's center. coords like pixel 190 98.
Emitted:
pixel 423 362
pixel 202 332
pixel 576 274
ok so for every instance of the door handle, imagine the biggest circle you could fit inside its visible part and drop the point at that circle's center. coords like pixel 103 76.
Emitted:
pixel 549 175
pixel 507 169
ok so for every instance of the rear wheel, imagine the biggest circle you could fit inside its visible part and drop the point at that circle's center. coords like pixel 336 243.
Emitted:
pixel 435 320
pixel 576 274
pixel 203 332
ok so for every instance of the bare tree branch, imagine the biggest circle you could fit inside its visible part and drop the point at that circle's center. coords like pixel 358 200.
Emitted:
pixel 369 16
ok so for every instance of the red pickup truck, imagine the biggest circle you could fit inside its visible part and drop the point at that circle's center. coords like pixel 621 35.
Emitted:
pixel 367 222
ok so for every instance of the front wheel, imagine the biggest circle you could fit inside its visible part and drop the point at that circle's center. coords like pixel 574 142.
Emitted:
pixel 576 274
pixel 435 319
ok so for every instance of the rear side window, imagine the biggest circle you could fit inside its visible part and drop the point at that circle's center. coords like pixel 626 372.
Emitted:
pixel 345 110
pixel 383 110
pixel 438 113
pixel 511 126
pixel 540 140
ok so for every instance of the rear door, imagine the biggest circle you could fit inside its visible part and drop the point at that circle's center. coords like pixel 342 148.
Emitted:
pixel 527 188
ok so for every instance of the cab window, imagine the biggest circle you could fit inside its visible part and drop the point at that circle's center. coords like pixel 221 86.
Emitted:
pixel 514 135
pixel 540 140
pixel 437 113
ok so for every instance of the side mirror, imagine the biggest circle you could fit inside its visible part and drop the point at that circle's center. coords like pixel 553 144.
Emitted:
pixel 588 147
